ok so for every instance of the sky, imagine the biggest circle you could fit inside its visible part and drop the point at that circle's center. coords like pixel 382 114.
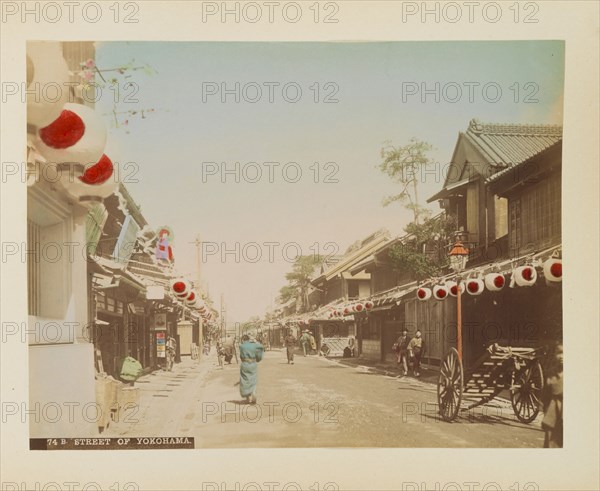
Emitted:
pixel 307 180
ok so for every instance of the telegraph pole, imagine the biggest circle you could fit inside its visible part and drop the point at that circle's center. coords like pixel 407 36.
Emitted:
pixel 198 244
pixel 223 313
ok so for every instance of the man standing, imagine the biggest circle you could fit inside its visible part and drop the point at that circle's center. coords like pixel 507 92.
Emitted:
pixel 290 342
pixel 402 351
pixel 251 353
pixel 304 340
pixel 415 349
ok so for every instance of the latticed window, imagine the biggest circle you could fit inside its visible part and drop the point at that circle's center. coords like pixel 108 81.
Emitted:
pixel 535 216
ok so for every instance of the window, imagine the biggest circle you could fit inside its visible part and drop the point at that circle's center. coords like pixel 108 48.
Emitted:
pixel 535 216
pixel 352 289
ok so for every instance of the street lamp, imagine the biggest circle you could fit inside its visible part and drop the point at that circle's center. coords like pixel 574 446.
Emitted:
pixel 458 261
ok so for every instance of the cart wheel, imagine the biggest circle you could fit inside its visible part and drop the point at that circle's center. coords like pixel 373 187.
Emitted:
pixel 450 386
pixel 526 390
pixel 325 350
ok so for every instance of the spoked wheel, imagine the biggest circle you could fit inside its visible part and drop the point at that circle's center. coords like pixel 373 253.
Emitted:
pixel 450 386
pixel 526 391
pixel 325 350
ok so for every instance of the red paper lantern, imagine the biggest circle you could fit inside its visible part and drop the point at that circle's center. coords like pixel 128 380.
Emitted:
pixel 494 281
pixel 525 276
pixel 369 305
pixel 475 287
pixel 423 294
pixel 440 292
pixel 553 270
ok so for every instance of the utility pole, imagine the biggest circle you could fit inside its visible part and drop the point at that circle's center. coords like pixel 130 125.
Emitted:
pixel 223 313
pixel 198 244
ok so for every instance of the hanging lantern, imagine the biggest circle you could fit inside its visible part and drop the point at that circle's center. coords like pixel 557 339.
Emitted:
pixel 180 287
pixel 369 305
pixel 474 286
pixel 424 294
pixel 77 135
pixel 92 184
pixel 494 282
pixel 440 292
pixel 47 82
pixel 347 310
pixel 453 287
pixel 525 276
pixel 553 270
pixel 190 299
pixel 359 307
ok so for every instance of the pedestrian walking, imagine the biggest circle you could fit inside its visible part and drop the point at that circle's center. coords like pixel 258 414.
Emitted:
pixel 402 351
pixel 415 348
pixel 290 342
pixel 313 342
pixel 552 400
pixel 305 341
pixel 251 353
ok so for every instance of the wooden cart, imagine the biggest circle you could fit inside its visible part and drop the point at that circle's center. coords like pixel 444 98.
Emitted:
pixel 517 370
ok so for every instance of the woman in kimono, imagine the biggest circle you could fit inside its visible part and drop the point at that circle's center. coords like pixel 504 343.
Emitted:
pixel 251 352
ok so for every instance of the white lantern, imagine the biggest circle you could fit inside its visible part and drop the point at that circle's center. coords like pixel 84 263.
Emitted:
pixel 77 135
pixel 474 286
pixel 180 287
pixel 494 282
pixel 76 181
pixel 424 294
pixel 553 270
pixel 525 276
pixel 440 292
pixel 47 82
pixel 453 287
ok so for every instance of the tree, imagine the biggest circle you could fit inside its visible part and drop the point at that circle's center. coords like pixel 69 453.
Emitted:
pixel 403 164
pixel 299 280
pixel 422 252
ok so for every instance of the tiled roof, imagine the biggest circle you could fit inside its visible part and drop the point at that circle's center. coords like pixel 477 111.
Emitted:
pixel 507 145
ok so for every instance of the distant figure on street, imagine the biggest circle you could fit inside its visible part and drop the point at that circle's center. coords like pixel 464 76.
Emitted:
pixel 290 343
pixel 305 340
pixel 416 346
pixel 552 400
pixel 313 342
pixel 402 351
pixel 251 353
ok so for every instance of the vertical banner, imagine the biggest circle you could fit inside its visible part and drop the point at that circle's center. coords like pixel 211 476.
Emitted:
pixel 161 345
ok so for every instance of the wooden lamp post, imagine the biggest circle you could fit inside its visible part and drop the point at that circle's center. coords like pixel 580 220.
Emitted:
pixel 458 261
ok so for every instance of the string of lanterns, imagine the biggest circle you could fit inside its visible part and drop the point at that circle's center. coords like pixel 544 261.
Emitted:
pixel 523 276
pixel 71 137
pixel 183 291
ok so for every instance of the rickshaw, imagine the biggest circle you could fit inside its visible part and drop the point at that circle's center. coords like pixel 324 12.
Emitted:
pixel 515 369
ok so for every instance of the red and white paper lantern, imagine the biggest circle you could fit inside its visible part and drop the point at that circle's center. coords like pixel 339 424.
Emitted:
pixel 453 287
pixel 474 286
pixel 47 82
pixel 440 292
pixel 90 184
pixel 347 310
pixel 369 305
pixel 191 299
pixel 494 282
pixel 180 287
pixel 78 135
pixel 359 307
pixel 424 294
pixel 553 270
pixel 525 276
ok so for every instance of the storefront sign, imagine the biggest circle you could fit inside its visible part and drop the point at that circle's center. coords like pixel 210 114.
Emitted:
pixel 160 322
pixel 161 345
